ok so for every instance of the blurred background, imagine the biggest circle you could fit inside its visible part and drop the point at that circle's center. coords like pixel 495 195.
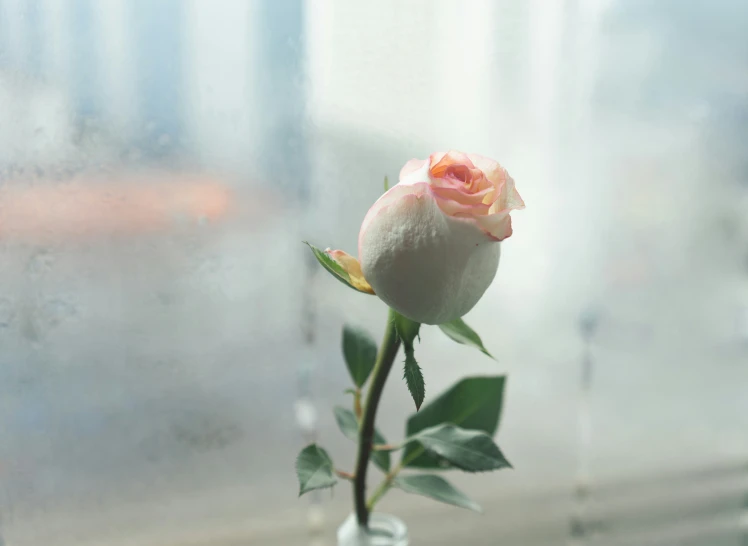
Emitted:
pixel 167 344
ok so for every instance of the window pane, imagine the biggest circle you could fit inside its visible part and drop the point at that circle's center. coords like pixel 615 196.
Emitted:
pixel 167 344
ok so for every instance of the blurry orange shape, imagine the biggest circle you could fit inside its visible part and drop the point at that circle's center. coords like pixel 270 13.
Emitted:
pixel 91 206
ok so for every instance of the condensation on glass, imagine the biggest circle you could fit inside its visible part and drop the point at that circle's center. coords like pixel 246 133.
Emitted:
pixel 168 344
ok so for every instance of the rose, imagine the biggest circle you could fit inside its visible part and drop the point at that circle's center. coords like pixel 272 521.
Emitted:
pixel 429 247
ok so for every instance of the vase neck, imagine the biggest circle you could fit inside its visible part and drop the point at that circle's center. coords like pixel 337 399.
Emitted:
pixel 384 530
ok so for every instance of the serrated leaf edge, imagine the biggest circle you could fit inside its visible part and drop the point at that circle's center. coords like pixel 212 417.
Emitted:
pixel 302 489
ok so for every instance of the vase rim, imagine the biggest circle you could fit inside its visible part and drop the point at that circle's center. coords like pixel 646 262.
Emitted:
pixel 384 530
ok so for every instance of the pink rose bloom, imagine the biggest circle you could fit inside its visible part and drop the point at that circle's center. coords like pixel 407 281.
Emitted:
pixel 429 247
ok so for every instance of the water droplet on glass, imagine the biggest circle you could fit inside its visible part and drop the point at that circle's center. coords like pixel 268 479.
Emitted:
pixel 7 312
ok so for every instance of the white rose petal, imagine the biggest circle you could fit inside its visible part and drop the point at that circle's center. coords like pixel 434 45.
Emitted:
pixel 429 266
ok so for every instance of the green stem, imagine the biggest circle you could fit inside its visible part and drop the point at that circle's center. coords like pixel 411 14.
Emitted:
pixel 387 482
pixel 380 491
pixel 357 410
pixel 382 367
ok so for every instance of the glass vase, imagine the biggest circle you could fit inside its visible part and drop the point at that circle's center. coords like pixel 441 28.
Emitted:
pixel 384 530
